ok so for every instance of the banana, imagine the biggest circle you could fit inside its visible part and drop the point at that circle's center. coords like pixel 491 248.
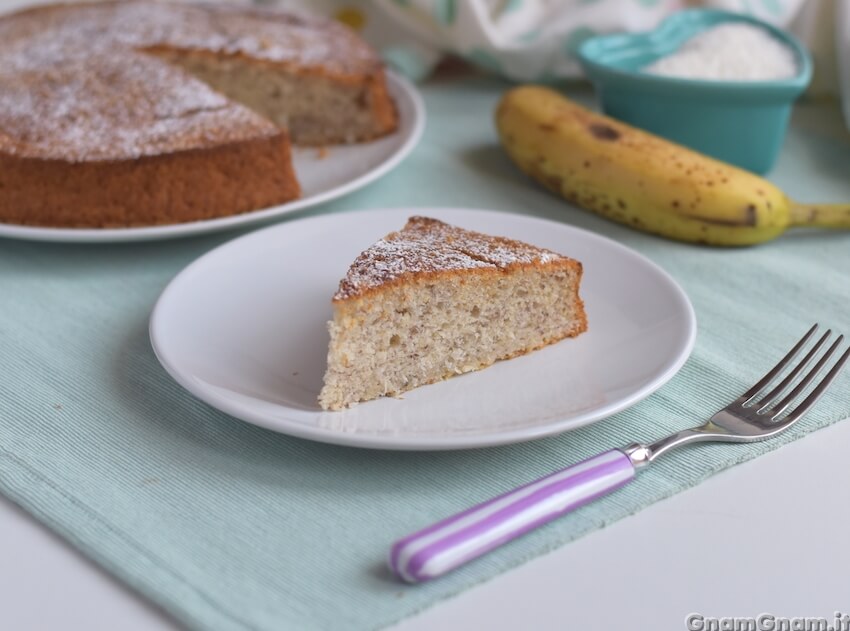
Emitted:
pixel 639 179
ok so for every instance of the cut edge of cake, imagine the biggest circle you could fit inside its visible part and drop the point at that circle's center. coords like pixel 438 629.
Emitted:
pixel 433 301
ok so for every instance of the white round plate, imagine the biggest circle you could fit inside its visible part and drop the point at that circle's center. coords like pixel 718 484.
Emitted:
pixel 323 177
pixel 244 329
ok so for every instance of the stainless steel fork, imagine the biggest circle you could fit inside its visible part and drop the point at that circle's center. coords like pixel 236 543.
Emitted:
pixel 757 414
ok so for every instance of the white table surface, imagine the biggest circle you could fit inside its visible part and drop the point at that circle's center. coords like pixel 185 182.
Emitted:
pixel 770 535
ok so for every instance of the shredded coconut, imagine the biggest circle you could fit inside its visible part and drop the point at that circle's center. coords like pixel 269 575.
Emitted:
pixel 729 52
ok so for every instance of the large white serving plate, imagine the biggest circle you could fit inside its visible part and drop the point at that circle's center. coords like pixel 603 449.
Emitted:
pixel 244 329
pixel 323 174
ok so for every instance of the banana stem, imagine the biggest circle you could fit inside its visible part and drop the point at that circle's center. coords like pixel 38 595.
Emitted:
pixel 822 215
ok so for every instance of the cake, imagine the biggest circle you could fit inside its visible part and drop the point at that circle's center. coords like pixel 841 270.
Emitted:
pixel 139 113
pixel 433 301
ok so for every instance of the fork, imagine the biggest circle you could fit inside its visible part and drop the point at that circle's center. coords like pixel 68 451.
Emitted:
pixel 448 544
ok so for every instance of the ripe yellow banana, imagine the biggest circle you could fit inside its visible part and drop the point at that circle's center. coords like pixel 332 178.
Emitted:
pixel 633 177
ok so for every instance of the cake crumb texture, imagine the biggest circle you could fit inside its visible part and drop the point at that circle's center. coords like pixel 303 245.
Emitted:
pixel 433 301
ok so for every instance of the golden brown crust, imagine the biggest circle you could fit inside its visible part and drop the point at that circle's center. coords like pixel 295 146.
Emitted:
pixel 431 249
pixel 94 128
pixel 150 190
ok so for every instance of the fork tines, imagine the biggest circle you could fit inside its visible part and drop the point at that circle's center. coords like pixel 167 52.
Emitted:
pixel 798 379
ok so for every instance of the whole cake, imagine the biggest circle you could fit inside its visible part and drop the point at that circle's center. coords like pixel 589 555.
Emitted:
pixel 140 113
pixel 432 301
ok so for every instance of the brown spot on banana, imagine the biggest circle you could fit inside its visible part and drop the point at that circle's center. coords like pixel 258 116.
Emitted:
pixel 603 131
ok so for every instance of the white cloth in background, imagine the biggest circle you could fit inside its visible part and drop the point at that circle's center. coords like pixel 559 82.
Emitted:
pixel 534 40
pixel 524 40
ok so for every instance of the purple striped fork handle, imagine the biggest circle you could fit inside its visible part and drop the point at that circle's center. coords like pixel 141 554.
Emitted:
pixel 450 543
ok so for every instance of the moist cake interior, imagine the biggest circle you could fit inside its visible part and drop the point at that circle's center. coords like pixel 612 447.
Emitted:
pixel 433 301
pixel 313 108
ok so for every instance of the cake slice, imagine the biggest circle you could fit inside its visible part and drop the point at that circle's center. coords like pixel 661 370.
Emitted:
pixel 433 301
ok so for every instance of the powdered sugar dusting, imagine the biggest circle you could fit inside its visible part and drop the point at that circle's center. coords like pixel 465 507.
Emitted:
pixel 430 246
pixel 76 83
pixel 101 109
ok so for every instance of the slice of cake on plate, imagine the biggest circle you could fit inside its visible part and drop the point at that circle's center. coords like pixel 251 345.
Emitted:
pixel 433 301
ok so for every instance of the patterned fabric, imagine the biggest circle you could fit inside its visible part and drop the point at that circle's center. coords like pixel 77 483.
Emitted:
pixel 534 40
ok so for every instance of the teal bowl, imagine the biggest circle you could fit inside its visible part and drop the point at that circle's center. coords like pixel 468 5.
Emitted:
pixel 740 122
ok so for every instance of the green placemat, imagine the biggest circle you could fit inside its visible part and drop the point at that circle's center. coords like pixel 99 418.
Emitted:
pixel 229 526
